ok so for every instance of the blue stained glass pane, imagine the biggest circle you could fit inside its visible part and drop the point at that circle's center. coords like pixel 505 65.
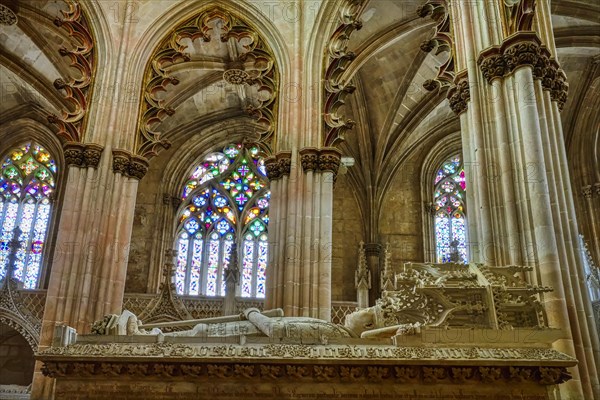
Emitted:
pixel 247 268
pixel 213 268
pixel 182 254
pixel 194 286
pixel 222 190
pixel 261 268
pixel 449 221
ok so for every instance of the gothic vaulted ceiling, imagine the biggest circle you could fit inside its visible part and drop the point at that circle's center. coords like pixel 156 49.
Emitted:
pixel 398 120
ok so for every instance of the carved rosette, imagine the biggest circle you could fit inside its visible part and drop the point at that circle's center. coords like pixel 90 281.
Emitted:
pixel 309 158
pixel 340 57
pixel 82 155
pixel 8 15
pixel 255 67
pixel 76 91
pixel 520 50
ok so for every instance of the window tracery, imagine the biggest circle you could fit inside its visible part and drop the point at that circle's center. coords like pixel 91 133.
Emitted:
pixel 27 183
pixel 449 212
pixel 225 203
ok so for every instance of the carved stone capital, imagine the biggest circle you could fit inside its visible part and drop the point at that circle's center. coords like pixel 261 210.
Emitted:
pixel 284 162
pixel 329 159
pixel 560 89
pixel 91 154
pixel 138 167
pixel 521 49
pixel 121 161
pixel 459 95
pixel 73 152
pixel 82 155
pixel 309 157
pixel 587 192
pixel 597 188
pixel 272 168
pixel 492 65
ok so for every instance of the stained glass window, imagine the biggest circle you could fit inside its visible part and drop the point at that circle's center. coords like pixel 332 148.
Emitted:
pixel 27 181
pixel 449 212
pixel 225 202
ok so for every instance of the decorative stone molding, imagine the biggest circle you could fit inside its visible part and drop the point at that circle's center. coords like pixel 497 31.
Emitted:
pixel 255 66
pixel 82 155
pixel 525 49
pixel 129 165
pixel 519 15
pixel 71 123
pixel 403 373
pixel 340 57
pixel 15 313
pixel 441 41
pixel 167 306
pixel 309 157
pixel 8 13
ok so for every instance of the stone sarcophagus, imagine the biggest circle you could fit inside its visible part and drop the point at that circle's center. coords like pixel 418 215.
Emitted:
pixel 444 332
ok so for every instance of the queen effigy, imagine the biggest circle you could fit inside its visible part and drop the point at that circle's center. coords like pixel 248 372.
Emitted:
pixel 443 330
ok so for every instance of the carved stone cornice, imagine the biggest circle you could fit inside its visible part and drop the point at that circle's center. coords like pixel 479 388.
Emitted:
pixel 309 157
pixel 460 94
pixel 129 165
pixel 82 155
pixel 402 374
pixel 76 91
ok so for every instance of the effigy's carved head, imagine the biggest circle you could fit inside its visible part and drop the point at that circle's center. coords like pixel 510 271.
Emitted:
pixel 362 320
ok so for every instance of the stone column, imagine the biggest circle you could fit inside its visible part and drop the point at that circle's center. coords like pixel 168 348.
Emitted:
pixel 505 82
pixel 89 265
